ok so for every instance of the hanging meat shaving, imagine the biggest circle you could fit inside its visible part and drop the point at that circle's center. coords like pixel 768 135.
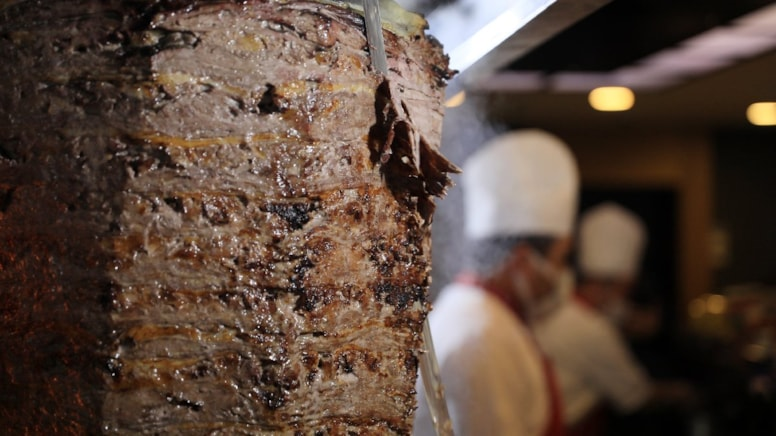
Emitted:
pixel 214 217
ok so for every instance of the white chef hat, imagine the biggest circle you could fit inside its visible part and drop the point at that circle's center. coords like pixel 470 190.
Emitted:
pixel 611 242
pixel 524 182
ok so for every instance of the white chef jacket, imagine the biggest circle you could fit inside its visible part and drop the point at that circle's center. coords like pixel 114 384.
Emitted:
pixel 490 366
pixel 591 360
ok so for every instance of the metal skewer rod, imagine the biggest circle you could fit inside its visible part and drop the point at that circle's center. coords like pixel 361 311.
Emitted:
pixel 374 35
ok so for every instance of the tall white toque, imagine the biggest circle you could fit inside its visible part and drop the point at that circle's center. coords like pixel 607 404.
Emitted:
pixel 611 242
pixel 524 182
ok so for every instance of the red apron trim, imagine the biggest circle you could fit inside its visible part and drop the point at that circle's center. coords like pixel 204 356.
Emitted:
pixel 511 303
pixel 555 425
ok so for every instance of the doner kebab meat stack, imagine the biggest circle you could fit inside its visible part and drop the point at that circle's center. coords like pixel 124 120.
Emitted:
pixel 214 216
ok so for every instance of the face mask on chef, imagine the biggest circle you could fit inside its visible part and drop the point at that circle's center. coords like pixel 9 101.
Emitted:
pixel 536 285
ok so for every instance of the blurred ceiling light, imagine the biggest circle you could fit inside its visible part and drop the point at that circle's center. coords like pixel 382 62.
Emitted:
pixel 762 113
pixel 611 98
pixel 697 308
pixel 456 100
pixel 716 304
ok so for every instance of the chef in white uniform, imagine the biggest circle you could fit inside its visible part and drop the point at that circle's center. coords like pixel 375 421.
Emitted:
pixel 520 197
pixel 593 364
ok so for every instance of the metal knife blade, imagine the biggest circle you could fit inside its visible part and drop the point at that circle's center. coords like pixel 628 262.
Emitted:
pixel 432 385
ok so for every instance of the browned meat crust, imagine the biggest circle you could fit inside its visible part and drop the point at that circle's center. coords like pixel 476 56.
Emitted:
pixel 214 218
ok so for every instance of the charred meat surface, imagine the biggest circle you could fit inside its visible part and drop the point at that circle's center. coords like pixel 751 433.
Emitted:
pixel 214 218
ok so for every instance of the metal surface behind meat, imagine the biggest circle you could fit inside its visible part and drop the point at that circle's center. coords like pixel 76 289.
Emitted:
pixel 214 218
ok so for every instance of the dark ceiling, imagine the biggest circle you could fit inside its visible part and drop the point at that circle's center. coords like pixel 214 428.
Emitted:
pixel 620 33
pixel 624 31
